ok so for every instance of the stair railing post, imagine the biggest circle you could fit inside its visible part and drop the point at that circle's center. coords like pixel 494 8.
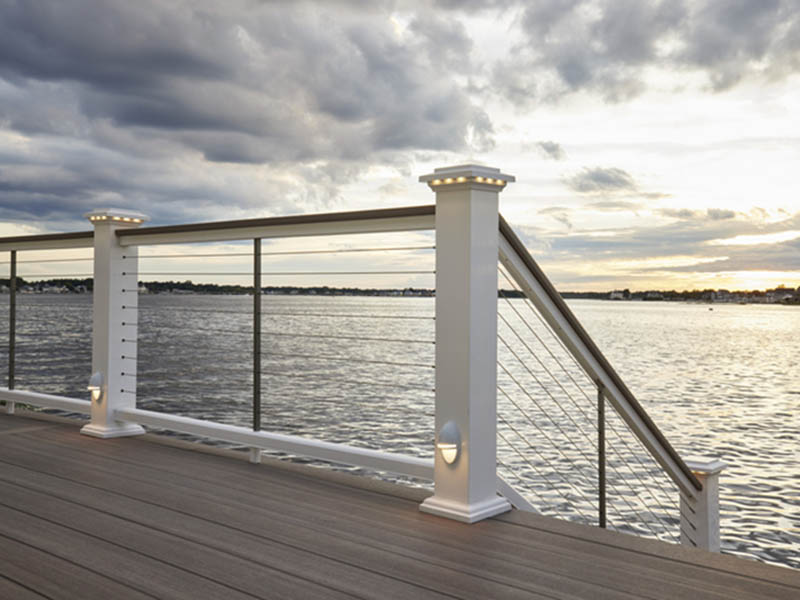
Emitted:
pixel 115 303
pixel 700 515
pixel 601 456
pixel 465 464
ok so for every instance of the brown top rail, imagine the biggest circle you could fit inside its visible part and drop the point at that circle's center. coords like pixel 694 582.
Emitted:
pixel 555 297
pixel 359 215
pixel 84 238
pixel 48 237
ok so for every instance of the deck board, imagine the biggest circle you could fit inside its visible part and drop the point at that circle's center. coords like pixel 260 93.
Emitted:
pixel 189 522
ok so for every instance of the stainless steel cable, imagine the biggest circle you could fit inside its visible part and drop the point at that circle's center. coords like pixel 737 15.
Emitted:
pixel 574 402
pixel 548 371
pixel 546 413
pixel 546 479
pixel 353 381
pixel 86 307
pixel 291 314
pixel 555 446
pixel 284 253
pixel 517 476
pixel 350 359
pixel 50 260
pixel 144 326
pixel 277 273
pixel 547 327
pixel 546 391
pixel 348 316
pixel 577 385
pixel 36 276
pixel 348 337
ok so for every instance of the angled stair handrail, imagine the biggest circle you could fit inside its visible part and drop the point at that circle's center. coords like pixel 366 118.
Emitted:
pixel 539 290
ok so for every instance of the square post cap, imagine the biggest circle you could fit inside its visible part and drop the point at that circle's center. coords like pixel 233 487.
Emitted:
pixel 116 216
pixel 705 467
pixel 473 176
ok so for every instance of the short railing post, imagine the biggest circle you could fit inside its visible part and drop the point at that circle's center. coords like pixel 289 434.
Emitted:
pixel 115 300
pixel 255 453
pixel 12 328
pixel 700 515
pixel 465 467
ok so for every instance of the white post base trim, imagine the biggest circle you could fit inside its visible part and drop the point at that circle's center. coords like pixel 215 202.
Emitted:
pixel 255 456
pixel 466 513
pixel 119 430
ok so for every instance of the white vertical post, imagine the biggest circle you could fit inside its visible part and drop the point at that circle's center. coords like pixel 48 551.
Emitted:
pixel 700 515
pixel 465 467
pixel 114 335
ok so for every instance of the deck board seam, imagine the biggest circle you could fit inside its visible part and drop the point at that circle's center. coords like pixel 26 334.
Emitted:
pixel 528 527
pixel 285 473
pixel 409 554
pixel 125 548
pixel 78 565
pixel 572 554
pixel 677 561
pixel 496 580
pixel 22 430
pixel 214 548
pixel 340 489
pixel 24 586
pixel 370 518
pixel 645 568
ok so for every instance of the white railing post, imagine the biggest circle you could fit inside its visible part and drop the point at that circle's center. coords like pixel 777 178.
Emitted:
pixel 114 334
pixel 700 515
pixel 465 467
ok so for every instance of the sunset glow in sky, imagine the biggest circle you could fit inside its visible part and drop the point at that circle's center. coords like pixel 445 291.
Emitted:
pixel 655 143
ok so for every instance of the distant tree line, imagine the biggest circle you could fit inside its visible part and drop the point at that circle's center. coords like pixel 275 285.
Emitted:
pixel 159 287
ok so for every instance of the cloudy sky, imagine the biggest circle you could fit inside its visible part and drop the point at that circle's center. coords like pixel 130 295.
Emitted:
pixel 655 144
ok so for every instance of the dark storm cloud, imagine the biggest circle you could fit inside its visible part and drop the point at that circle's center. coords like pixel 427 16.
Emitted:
pixel 604 46
pixel 291 82
pixel 151 92
pixel 601 180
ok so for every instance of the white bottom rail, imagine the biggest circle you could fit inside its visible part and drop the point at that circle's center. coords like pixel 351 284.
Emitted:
pixel 11 397
pixel 420 468
pixel 360 457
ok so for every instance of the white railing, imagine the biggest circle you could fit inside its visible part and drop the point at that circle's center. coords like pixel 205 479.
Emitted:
pixel 464 468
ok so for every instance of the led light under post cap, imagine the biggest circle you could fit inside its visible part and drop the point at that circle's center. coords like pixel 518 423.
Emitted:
pixel 449 443
pixel 96 386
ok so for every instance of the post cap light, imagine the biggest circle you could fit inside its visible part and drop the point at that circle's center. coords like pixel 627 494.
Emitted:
pixel 477 176
pixel 96 386
pixel 117 216
pixel 449 443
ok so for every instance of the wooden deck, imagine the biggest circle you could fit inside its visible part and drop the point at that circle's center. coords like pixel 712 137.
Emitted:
pixel 148 517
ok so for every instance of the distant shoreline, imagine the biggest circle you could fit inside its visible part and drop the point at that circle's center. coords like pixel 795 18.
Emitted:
pixel 780 295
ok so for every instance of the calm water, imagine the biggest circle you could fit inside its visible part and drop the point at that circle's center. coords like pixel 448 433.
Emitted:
pixel 721 382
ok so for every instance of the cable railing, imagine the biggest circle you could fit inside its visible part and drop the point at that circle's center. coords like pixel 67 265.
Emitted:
pixel 539 379
pixel 46 340
pixel 588 438
pixel 332 367
pixel 294 356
